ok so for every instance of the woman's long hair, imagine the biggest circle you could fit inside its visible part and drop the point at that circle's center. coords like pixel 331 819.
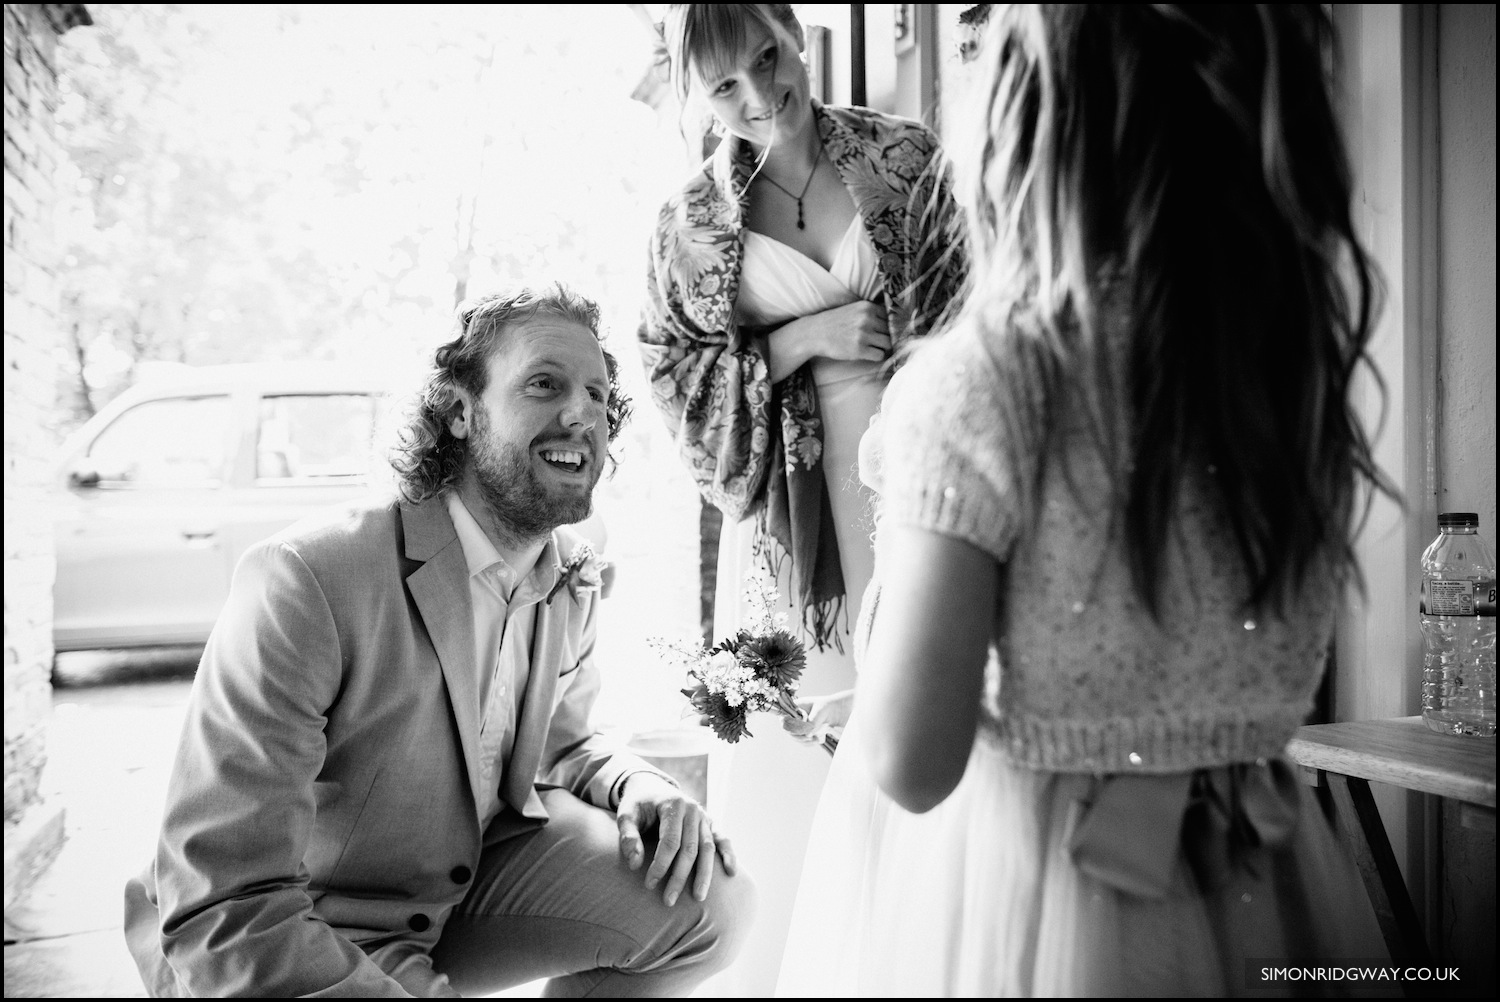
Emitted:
pixel 1182 167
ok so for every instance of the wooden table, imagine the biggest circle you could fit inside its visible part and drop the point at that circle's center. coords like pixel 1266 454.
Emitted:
pixel 1346 758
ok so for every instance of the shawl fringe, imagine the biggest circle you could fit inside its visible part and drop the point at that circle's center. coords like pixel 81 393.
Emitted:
pixel 823 619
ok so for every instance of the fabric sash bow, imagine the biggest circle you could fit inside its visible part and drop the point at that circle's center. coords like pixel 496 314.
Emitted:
pixel 1129 831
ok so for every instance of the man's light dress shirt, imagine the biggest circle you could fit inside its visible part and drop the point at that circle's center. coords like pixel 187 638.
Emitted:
pixel 505 601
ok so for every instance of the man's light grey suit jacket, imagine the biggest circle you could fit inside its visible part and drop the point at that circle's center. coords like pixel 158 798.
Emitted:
pixel 320 821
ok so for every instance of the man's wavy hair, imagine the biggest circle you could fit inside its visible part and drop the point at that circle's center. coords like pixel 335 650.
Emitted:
pixel 427 458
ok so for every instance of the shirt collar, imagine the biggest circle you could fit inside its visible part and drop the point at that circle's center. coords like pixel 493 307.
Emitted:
pixel 481 555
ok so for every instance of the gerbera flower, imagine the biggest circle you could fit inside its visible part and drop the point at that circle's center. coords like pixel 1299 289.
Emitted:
pixel 728 722
pixel 777 656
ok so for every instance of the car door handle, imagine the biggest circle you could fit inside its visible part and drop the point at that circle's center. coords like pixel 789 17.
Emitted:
pixel 200 535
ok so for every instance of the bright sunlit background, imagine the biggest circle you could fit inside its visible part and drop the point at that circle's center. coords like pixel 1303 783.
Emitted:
pixel 279 182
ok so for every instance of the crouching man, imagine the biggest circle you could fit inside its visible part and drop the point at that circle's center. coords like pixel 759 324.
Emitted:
pixel 388 784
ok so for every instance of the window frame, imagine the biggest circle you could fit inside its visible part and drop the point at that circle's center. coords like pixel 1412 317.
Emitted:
pixel 226 446
pixel 373 399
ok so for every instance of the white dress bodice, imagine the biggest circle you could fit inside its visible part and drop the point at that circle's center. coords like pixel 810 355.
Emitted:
pixel 779 283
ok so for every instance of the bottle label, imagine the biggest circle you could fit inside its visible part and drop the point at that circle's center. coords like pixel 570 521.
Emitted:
pixel 1458 598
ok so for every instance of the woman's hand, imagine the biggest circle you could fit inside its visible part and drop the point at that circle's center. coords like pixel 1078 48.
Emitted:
pixel 827 716
pixel 858 331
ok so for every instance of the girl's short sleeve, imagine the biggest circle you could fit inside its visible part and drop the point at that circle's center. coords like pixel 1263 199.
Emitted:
pixel 946 463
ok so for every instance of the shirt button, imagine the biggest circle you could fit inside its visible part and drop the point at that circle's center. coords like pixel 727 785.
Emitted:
pixel 461 874
pixel 419 922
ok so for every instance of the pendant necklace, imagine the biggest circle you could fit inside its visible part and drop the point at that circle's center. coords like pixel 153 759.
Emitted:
pixel 818 162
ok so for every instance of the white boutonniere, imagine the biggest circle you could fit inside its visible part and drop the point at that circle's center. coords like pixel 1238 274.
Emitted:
pixel 584 571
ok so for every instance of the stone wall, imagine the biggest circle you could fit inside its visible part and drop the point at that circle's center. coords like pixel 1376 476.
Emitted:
pixel 33 830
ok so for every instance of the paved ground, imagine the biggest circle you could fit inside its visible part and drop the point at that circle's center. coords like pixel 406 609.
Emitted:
pixel 114 726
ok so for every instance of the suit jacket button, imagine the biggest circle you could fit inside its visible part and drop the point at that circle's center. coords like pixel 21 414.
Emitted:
pixel 461 874
pixel 419 922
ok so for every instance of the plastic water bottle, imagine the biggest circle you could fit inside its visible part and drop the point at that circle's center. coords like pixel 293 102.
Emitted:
pixel 1458 629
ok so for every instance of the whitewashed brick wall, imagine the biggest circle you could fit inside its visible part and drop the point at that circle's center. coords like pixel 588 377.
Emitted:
pixel 32 157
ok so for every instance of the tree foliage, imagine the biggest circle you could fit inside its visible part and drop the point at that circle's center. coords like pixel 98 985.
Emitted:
pixel 252 182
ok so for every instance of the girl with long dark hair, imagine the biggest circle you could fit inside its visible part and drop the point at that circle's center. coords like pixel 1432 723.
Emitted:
pixel 1118 502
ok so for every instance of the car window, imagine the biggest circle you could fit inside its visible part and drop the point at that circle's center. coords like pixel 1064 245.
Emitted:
pixel 164 443
pixel 315 436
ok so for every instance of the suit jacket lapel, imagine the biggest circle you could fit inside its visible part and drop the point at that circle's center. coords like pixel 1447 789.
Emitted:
pixel 440 588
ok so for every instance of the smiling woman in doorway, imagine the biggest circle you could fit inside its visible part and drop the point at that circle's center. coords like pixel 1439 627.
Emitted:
pixel 814 242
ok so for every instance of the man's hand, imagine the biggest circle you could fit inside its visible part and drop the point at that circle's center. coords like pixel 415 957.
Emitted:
pixel 685 840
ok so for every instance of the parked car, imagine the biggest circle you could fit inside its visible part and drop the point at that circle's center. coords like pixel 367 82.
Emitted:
pixel 165 488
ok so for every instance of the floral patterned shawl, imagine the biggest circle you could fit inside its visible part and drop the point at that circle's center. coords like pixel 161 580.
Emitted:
pixel 755 448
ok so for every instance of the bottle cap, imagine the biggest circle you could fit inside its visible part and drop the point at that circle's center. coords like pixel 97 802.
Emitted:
pixel 1458 519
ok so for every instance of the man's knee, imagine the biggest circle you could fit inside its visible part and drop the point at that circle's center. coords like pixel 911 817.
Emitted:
pixel 728 912
pixel 711 932
pixel 706 934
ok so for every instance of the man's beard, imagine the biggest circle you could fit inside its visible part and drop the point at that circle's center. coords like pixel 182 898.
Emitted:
pixel 508 483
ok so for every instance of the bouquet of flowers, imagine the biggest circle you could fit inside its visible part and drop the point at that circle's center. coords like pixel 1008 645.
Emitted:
pixel 758 669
